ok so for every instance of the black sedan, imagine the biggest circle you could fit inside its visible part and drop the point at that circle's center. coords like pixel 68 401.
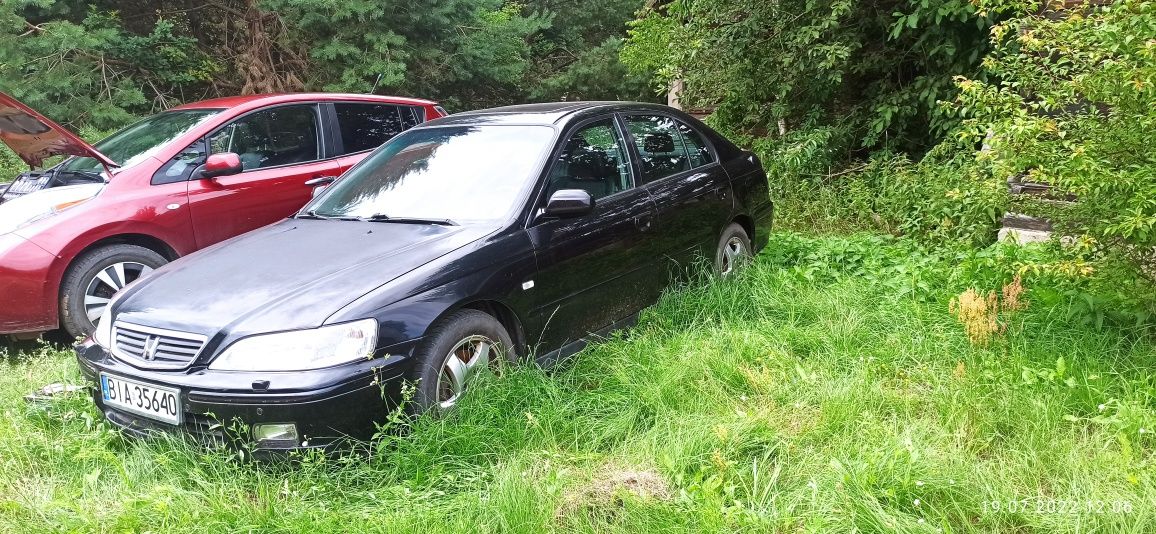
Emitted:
pixel 513 233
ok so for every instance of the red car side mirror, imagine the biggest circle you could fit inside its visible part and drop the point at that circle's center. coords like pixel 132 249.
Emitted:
pixel 222 165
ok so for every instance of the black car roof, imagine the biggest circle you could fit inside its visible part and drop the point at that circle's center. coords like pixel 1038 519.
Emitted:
pixel 562 113
pixel 546 114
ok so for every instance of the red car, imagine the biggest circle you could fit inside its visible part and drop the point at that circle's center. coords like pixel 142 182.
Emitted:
pixel 171 184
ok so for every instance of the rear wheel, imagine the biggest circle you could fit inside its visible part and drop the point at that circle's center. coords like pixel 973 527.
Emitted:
pixel 95 277
pixel 456 350
pixel 734 250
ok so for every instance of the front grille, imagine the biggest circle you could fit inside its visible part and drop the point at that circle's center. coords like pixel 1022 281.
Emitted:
pixel 155 348
pixel 205 429
pixel 201 428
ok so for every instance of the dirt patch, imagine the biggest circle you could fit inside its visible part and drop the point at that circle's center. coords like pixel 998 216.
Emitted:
pixel 606 493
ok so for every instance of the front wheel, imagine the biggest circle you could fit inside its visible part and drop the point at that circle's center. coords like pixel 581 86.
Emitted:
pixel 95 277
pixel 455 351
pixel 734 250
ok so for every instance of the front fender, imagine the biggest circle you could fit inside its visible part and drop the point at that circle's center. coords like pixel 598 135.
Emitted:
pixel 493 272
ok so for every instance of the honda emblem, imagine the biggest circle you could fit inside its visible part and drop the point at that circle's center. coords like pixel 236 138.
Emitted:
pixel 150 348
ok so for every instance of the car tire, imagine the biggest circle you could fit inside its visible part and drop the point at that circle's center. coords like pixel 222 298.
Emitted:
pixel 734 250
pixel 460 336
pixel 94 277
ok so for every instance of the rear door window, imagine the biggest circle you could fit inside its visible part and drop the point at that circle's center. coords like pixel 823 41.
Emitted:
pixel 659 145
pixel 410 117
pixel 368 126
pixel 696 147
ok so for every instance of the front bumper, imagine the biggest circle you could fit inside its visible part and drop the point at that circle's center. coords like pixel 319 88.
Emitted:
pixel 27 302
pixel 328 406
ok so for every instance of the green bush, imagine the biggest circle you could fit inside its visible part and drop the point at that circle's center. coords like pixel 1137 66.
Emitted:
pixel 1070 104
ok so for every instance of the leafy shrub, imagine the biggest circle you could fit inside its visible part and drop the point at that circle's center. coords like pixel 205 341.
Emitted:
pixel 872 69
pixel 1070 104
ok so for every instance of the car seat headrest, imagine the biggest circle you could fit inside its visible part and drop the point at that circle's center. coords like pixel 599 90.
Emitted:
pixel 658 143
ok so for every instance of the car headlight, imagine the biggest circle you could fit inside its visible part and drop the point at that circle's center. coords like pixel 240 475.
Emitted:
pixel 301 350
pixel 25 210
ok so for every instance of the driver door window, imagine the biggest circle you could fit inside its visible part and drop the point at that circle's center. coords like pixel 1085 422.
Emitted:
pixel 271 138
pixel 593 159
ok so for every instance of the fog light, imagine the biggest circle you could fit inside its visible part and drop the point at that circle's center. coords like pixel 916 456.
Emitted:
pixel 276 435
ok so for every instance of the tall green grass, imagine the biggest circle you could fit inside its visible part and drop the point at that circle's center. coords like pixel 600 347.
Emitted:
pixel 806 396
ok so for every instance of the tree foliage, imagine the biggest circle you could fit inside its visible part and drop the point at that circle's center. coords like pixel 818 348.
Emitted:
pixel 1071 105
pixel 912 115
pixel 88 69
pixel 102 62
pixel 873 70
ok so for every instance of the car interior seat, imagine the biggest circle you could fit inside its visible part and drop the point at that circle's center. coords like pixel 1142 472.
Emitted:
pixel 292 147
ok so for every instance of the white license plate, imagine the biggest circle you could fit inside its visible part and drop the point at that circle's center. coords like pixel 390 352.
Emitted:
pixel 154 402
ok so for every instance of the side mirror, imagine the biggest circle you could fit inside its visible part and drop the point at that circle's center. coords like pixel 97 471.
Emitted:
pixel 223 164
pixel 568 203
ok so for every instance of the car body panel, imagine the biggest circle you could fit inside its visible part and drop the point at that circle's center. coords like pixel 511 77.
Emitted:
pixel 223 207
pixel 35 137
pixel 581 285
pixel 278 285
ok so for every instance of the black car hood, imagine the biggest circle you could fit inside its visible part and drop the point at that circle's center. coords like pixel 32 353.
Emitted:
pixel 291 275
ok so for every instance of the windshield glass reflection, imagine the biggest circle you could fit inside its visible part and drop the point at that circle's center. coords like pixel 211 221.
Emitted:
pixel 142 139
pixel 461 173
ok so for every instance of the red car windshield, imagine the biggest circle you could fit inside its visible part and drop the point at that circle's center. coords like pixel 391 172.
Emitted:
pixel 142 139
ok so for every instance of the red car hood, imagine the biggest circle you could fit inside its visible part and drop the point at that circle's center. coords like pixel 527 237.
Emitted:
pixel 35 137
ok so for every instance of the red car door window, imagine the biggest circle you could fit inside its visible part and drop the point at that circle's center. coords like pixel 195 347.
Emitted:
pixel 367 126
pixel 280 136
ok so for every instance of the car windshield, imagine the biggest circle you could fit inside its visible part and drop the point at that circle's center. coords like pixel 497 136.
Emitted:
pixel 457 173
pixel 142 139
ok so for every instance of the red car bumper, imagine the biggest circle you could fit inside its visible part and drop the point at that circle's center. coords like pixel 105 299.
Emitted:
pixel 27 302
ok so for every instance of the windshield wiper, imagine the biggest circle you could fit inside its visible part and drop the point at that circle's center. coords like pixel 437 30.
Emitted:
pixel 381 217
pixel 312 214
pixel 91 175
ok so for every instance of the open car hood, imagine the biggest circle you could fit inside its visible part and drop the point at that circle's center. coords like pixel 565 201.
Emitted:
pixel 34 137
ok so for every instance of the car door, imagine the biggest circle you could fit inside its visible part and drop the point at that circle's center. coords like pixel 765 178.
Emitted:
pixel 280 149
pixel 590 267
pixel 691 190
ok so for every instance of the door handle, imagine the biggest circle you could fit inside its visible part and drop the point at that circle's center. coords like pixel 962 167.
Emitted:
pixel 320 180
pixel 643 222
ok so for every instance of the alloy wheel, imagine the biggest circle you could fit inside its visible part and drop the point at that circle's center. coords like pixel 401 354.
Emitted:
pixel 733 254
pixel 107 282
pixel 469 357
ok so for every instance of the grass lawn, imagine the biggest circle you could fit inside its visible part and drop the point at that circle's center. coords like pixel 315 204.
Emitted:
pixel 819 392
